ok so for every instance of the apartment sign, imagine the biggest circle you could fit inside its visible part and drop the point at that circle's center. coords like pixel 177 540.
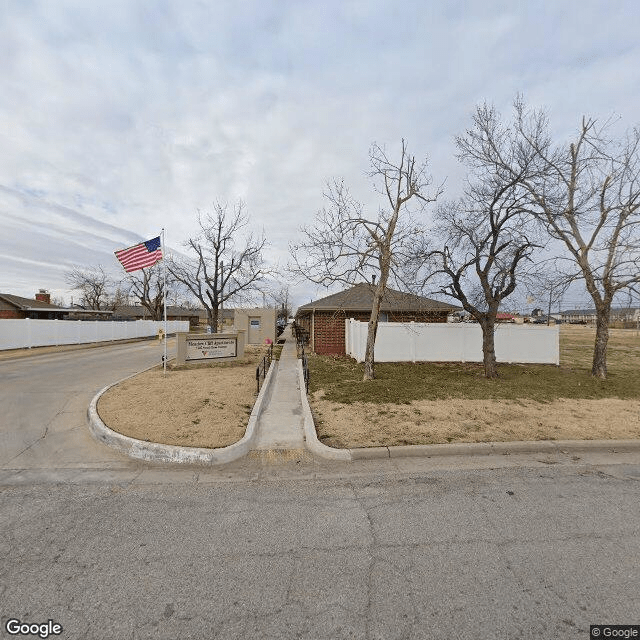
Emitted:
pixel 211 348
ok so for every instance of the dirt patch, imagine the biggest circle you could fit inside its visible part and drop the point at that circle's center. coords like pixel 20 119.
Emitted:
pixel 429 403
pixel 197 406
pixel 435 422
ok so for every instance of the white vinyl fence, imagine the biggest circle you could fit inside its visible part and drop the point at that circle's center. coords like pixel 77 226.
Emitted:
pixel 18 334
pixel 453 342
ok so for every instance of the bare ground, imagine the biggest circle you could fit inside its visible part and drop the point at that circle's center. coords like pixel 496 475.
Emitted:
pixel 210 407
pixel 440 421
pixel 194 406
pixel 460 419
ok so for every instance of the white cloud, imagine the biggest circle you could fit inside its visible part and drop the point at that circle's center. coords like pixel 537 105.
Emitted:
pixel 119 118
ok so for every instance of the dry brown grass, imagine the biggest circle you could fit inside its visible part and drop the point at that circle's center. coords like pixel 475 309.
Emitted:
pixel 198 405
pixel 437 403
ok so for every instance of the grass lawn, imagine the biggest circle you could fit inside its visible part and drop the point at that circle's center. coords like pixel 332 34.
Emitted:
pixel 448 402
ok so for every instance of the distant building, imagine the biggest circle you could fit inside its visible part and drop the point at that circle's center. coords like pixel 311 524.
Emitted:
pixel 40 308
pixel 588 316
pixel 138 312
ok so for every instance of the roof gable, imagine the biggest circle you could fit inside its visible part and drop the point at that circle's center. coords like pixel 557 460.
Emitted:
pixel 360 298
pixel 25 304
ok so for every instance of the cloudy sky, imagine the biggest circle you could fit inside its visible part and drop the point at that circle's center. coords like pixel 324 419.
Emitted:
pixel 118 118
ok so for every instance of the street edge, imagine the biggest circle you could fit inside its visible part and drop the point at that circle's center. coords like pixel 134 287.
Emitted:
pixel 157 452
pixel 498 448
pixel 455 449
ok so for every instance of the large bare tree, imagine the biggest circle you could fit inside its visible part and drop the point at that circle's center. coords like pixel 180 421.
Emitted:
pixel 98 290
pixel 486 243
pixel 224 265
pixel 147 286
pixel 586 193
pixel 346 245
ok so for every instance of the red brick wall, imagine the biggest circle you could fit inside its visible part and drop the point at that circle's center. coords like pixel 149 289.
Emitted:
pixel 329 330
pixel 11 314
pixel 329 326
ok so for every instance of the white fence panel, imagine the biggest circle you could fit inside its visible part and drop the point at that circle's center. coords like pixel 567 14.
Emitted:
pixel 20 334
pixel 453 342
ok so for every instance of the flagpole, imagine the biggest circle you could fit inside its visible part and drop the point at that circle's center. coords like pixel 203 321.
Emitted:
pixel 164 269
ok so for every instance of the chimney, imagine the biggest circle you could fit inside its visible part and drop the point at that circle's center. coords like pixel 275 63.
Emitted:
pixel 43 296
pixel 373 279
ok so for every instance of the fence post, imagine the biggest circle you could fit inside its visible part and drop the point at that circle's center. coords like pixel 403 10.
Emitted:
pixel 414 339
pixel 347 336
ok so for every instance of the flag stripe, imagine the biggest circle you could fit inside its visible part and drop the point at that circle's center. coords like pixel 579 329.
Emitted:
pixel 139 256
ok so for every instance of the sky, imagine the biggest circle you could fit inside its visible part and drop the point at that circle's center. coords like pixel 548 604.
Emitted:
pixel 123 117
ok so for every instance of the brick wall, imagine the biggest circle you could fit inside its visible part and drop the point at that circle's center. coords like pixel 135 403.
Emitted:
pixel 11 314
pixel 329 326
pixel 329 330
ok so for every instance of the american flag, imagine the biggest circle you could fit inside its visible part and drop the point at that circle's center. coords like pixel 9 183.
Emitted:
pixel 141 255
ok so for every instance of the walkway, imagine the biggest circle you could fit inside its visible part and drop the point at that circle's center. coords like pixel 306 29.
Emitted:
pixel 280 426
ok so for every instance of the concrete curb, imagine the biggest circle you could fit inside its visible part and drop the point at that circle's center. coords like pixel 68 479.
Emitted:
pixel 310 436
pixel 456 449
pixel 498 448
pixel 156 452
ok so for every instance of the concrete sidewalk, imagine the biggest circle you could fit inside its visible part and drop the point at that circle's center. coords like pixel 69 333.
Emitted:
pixel 280 426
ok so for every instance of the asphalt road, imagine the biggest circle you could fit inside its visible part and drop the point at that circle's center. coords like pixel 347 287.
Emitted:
pixel 500 547
pixel 44 400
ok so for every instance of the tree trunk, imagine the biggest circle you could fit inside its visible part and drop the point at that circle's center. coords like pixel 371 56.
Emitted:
pixel 213 320
pixel 372 330
pixel 488 348
pixel 599 367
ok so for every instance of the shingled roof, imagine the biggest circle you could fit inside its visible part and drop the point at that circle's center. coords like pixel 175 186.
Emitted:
pixel 29 304
pixel 360 298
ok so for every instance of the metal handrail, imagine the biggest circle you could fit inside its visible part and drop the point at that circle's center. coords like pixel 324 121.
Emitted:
pixel 263 368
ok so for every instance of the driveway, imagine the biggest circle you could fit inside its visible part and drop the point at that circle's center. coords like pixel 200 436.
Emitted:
pixel 44 400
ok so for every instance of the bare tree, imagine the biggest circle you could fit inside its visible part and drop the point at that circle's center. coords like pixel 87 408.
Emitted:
pixel 486 247
pixel 280 299
pixel 587 195
pixel 550 285
pixel 95 285
pixel 217 272
pixel 147 286
pixel 345 245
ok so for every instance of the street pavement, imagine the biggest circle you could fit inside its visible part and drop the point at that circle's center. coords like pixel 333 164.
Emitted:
pixel 44 400
pixel 518 546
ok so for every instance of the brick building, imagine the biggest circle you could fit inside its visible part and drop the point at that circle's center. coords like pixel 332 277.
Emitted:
pixel 17 307
pixel 323 320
